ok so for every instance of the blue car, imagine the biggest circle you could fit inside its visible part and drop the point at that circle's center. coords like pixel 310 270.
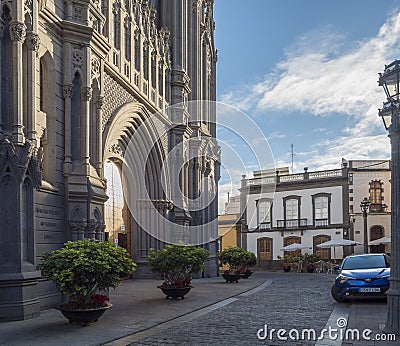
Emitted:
pixel 362 276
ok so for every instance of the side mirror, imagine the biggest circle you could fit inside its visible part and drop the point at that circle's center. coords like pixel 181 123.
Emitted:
pixel 336 267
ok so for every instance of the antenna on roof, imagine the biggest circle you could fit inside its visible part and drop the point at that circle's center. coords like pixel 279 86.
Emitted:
pixel 291 154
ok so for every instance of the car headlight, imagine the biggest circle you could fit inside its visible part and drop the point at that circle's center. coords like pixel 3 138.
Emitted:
pixel 343 278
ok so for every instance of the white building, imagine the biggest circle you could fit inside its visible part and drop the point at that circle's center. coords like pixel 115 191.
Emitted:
pixel 314 207
pixel 371 179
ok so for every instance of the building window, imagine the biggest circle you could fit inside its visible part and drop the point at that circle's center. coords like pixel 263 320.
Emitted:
pixel 321 205
pixel 291 205
pixel 375 196
pixel 264 213
pixel 291 209
pixel 264 246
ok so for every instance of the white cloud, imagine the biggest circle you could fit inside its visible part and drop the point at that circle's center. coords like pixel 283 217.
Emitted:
pixel 276 135
pixel 321 75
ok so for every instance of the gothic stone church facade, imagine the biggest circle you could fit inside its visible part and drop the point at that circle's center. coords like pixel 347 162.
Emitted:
pixel 78 77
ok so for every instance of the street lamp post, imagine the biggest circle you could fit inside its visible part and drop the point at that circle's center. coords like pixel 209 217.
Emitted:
pixel 389 80
pixel 364 207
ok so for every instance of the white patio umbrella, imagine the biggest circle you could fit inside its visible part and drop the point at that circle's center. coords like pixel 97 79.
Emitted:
pixel 295 247
pixel 384 241
pixel 337 242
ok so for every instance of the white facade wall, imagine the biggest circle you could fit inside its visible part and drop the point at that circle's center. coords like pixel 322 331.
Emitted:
pixel 306 212
pixel 361 174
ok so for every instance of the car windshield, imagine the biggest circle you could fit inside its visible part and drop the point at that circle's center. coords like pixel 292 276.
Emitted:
pixel 364 262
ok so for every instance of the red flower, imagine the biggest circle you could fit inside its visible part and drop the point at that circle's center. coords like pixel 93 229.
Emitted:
pixel 99 298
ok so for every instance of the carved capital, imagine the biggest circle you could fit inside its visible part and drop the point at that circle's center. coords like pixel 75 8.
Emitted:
pixel 17 31
pixel 86 93
pixel 99 102
pixel 67 91
pixel 33 41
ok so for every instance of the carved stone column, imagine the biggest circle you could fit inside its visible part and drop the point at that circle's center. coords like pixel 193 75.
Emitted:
pixel 99 159
pixel 33 42
pixel 17 35
pixel 86 94
pixel 67 93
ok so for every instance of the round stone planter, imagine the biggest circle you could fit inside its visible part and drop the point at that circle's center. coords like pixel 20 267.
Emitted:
pixel 175 292
pixel 246 275
pixel 82 316
pixel 231 277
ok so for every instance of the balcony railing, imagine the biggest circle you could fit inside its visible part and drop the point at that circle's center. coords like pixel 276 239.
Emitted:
pixel 321 222
pixel 264 226
pixel 293 224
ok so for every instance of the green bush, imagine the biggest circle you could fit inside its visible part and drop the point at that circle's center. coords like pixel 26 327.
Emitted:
pixel 83 267
pixel 310 258
pixel 237 258
pixel 177 263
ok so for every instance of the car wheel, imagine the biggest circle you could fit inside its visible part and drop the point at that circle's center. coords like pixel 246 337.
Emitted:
pixel 335 294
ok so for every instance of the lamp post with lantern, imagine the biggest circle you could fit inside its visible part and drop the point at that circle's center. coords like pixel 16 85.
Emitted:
pixel 389 80
pixel 364 208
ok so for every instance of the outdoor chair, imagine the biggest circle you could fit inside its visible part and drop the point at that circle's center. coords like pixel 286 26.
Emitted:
pixel 300 266
pixel 330 266
pixel 320 266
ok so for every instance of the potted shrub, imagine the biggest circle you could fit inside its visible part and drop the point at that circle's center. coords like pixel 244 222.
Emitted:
pixel 177 263
pixel 309 260
pixel 287 262
pixel 232 258
pixel 82 270
pixel 249 260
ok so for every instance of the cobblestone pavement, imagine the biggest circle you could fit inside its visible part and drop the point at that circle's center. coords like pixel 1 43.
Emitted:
pixel 291 300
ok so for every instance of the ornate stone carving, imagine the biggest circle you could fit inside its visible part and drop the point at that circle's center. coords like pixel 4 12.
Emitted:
pixel 33 41
pixel 17 31
pixel 96 3
pixel 99 102
pixel 78 13
pixel 116 6
pixel 22 160
pixel 196 6
pixel 77 58
pixel 67 91
pixel 7 181
pixel 115 96
pixel 86 93
pixel 116 149
pixel 42 4
pixel 208 61
pixel 28 3
pixel 95 67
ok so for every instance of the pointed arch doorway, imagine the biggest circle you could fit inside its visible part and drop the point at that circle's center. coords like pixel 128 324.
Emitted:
pixel 116 218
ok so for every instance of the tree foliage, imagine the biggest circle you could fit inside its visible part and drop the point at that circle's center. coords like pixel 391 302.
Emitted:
pixel 177 263
pixel 237 258
pixel 83 267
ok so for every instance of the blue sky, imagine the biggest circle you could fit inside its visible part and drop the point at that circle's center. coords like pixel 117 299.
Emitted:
pixel 306 72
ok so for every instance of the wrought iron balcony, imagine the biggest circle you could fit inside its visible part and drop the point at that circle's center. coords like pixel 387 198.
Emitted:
pixel 292 224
